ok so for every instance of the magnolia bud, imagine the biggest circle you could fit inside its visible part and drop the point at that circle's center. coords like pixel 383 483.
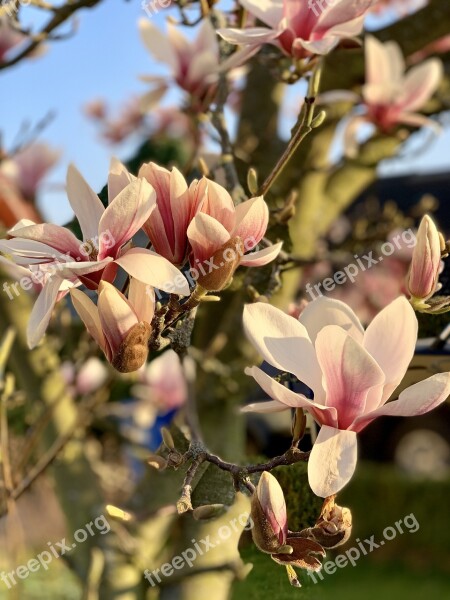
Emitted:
pixel 269 516
pixel 426 261
pixel 226 260
pixel 133 351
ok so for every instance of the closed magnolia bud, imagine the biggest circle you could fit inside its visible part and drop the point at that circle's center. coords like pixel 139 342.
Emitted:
pixel 268 511
pixel 426 261
pixel 223 264
pixel 133 351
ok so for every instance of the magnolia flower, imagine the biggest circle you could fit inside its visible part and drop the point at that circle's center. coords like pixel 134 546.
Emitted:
pixel 162 383
pixel 301 28
pixel 13 206
pixel 220 222
pixel 121 326
pixel 390 96
pixel 106 233
pixel 426 263
pixel 194 64
pixel 86 379
pixel 29 166
pixel 175 208
pixel 270 530
pixel 351 372
pixel 11 36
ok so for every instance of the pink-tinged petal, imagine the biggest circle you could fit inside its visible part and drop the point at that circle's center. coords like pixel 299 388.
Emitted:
pixel 157 44
pixel 284 343
pixel 42 311
pixel 325 311
pixel 123 218
pixel 207 38
pixel 343 13
pixel 267 11
pixel 261 257
pixel 202 71
pixel 118 178
pixel 418 399
pixel 154 270
pixel 20 224
pixel 321 47
pixel 252 217
pixel 142 298
pixel 59 238
pixel 332 461
pixel 238 58
pixel 272 406
pixel 349 372
pixel 271 499
pixel 29 251
pixel 418 120
pixel 420 84
pixel 156 232
pixel 206 236
pixel 117 317
pixel 85 203
pixel 377 62
pixel 88 313
pixel 75 269
pixel 149 100
pixel 426 260
pixel 217 203
pixel 350 137
pixel 324 415
pixel 391 340
pixel 253 36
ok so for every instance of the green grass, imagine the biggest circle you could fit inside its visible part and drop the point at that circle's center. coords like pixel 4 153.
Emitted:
pixel 367 580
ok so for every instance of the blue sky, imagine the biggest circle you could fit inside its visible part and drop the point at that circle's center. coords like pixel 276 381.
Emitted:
pixel 104 59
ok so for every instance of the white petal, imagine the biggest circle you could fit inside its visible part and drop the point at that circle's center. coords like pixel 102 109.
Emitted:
pixel 261 257
pixel 284 343
pixel 154 270
pixel 332 461
pixel 391 339
pixel 42 311
pixel 418 399
pixel 325 311
pixel 84 202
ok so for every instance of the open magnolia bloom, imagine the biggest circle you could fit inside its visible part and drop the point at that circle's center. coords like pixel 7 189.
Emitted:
pixel 105 246
pixel 219 221
pixel 391 96
pixel 352 373
pixel 121 326
pixel 194 64
pixel 301 28
pixel 175 208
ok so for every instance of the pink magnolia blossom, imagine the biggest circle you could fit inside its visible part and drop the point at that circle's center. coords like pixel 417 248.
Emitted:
pixel 87 378
pixel 175 208
pixel 352 373
pixel 9 37
pixel 391 96
pixel 121 326
pixel 29 166
pixel 162 383
pixel 425 267
pixel 195 65
pixel 219 221
pixel 301 28
pixel 105 246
